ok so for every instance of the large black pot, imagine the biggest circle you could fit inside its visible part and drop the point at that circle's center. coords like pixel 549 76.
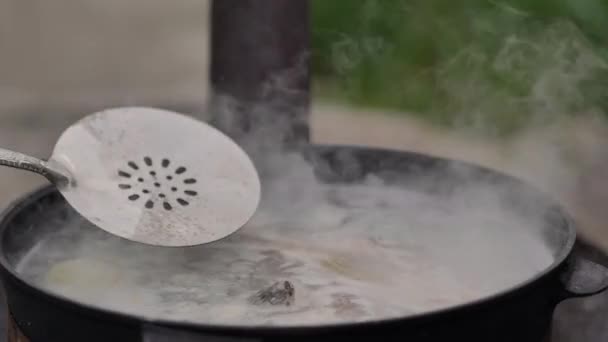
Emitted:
pixel 523 313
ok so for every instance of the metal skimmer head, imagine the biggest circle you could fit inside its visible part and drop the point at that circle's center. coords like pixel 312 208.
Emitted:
pixel 156 177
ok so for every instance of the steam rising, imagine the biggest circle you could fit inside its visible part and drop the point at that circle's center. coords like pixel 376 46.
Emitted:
pixel 354 252
pixel 519 93
pixel 358 252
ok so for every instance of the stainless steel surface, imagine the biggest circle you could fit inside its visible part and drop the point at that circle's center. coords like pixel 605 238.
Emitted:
pixel 151 176
pixel 24 162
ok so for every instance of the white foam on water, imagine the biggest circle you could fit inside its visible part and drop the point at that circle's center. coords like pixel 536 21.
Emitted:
pixel 352 253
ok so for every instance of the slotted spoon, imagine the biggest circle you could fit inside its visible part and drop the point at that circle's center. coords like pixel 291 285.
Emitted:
pixel 151 176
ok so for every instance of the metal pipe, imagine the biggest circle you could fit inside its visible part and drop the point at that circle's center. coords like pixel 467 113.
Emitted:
pixel 260 64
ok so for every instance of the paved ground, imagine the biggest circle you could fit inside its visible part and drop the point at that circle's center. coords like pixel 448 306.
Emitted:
pixel 90 52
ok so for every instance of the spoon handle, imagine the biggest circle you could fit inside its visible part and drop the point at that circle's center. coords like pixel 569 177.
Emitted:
pixel 24 162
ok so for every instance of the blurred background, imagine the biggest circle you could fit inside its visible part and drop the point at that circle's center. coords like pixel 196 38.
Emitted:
pixel 519 85
pixel 516 85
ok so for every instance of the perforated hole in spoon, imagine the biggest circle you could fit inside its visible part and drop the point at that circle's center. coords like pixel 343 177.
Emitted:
pixel 157 182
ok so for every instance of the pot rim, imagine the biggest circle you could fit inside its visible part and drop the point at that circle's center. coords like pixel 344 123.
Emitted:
pixel 32 197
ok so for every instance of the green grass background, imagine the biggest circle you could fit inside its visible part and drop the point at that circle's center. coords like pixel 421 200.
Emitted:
pixel 489 65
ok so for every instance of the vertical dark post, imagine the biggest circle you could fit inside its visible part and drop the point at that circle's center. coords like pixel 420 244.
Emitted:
pixel 260 65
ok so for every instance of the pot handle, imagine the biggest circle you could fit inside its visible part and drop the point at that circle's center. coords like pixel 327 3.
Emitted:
pixel 586 271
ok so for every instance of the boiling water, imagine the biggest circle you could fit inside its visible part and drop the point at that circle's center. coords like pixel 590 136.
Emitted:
pixel 353 253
